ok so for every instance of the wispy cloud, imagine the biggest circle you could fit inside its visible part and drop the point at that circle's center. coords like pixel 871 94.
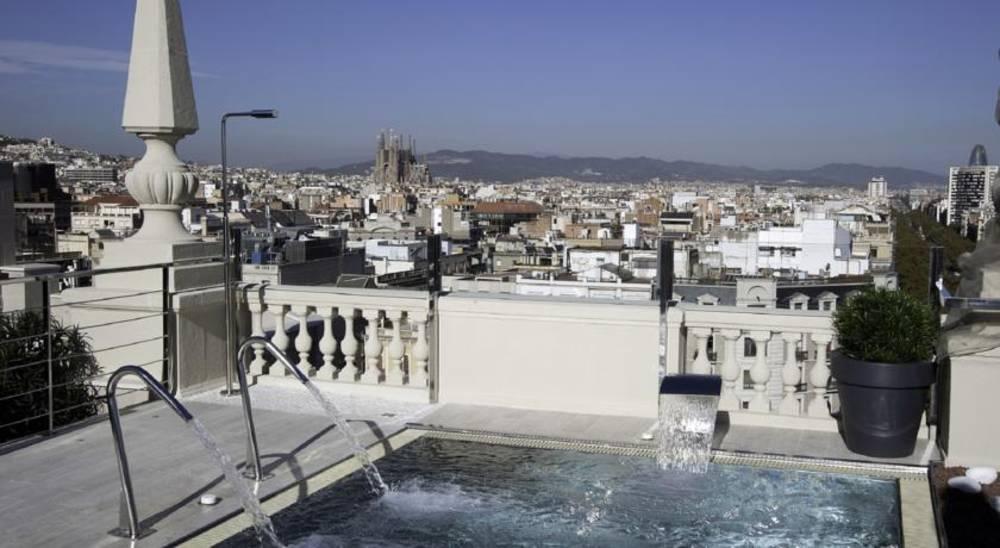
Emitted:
pixel 25 56
pixel 11 68
pixel 21 56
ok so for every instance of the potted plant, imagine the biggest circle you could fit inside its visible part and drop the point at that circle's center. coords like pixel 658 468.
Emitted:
pixel 883 367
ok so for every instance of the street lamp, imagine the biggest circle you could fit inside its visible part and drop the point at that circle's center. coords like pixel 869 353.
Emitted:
pixel 227 276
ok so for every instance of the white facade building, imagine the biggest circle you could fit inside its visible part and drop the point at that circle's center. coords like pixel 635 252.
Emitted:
pixel 817 247
pixel 680 200
pixel 389 257
pixel 878 188
pixel 630 233
pixel 112 213
pixel 595 265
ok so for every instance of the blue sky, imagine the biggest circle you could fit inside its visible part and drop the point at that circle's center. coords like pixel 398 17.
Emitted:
pixel 766 84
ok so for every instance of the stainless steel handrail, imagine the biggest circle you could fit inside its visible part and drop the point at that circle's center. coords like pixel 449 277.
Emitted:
pixel 127 516
pixel 253 450
pixel 100 271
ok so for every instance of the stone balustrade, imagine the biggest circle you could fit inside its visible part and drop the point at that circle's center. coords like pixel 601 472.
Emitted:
pixel 600 356
pixel 772 361
pixel 344 335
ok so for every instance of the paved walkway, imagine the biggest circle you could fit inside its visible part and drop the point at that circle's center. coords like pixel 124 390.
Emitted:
pixel 64 490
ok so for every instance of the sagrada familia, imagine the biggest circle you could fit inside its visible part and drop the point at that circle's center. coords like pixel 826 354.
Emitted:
pixel 396 163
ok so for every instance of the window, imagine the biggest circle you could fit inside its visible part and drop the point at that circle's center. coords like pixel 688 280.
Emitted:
pixel 827 305
pixel 797 306
pixel 749 348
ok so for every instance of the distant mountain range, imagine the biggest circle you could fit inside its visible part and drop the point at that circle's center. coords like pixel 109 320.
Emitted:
pixel 493 166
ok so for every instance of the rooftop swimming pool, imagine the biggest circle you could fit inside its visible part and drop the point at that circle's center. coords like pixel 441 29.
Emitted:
pixel 459 493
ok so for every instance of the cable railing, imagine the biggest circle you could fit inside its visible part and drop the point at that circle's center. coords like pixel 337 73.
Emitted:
pixel 51 374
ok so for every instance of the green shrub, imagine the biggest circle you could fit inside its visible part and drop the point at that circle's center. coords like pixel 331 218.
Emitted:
pixel 24 377
pixel 880 325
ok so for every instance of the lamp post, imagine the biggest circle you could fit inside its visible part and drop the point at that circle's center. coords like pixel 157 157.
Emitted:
pixel 227 275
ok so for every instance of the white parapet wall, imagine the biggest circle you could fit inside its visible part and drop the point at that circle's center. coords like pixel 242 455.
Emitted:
pixel 566 354
pixel 555 354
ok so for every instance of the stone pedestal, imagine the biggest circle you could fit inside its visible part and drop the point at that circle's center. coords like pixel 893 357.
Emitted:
pixel 970 425
pixel 125 308
pixel 132 252
pixel 196 312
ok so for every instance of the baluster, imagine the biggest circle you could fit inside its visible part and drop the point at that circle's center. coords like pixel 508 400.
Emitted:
pixel 421 351
pixel 327 344
pixel 394 373
pixel 280 340
pixel 257 307
pixel 790 375
pixel 303 342
pixel 349 346
pixel 701 364
pixel 730 371
pixel 760 373
pixel 819 376
pixel 373 348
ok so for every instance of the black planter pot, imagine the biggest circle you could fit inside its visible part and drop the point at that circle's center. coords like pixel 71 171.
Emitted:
pixel 881 404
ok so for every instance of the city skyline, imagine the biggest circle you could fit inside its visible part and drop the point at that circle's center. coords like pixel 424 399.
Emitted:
pixel 801 88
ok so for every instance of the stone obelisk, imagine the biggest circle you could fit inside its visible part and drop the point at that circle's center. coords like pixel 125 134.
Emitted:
pixel 159 109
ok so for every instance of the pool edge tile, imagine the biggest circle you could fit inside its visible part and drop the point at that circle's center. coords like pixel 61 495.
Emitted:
pixel 917 515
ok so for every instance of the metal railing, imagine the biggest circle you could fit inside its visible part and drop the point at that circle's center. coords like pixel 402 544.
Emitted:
pixel 253 451
pixel 128 517
pixel 67 377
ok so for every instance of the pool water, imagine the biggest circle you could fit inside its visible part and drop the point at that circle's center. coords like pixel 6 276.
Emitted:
pixel 455 493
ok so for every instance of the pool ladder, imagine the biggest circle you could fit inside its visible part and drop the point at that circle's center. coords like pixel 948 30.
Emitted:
pixel 128 517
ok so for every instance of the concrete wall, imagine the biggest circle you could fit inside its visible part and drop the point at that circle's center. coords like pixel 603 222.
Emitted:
pixel 90 308
pixel 973 418
pixel 555 354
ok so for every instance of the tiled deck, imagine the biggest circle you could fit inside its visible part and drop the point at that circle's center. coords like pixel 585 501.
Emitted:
pixel 63 491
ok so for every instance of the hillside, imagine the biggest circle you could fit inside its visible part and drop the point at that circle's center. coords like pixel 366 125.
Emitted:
pixel 493 166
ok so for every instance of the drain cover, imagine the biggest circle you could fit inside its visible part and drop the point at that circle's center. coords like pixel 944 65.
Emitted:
pixel 209 499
